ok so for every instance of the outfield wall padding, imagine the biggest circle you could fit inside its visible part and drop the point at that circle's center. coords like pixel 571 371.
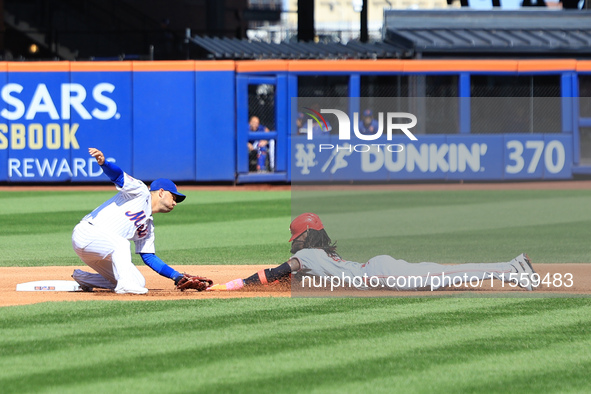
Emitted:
pixel 179 119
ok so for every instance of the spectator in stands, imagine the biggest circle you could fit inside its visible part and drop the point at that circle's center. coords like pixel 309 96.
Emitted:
pixel 367 124
pixel 258 150
pixel 300 123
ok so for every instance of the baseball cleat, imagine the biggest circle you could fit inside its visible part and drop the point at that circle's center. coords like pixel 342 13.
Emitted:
pixel 83 285
pixel 141 290
pixel 86 289
pixel 524 270
pixel 131 290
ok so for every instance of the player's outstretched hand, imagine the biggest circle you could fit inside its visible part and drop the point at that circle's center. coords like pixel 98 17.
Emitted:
pixel 235 284
pixel 98 155
pixel 198 283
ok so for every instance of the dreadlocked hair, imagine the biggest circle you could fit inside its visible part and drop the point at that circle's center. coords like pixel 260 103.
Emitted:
pixel 319 239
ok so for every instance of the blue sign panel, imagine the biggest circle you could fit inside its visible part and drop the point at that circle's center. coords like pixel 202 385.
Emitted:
pixel 558 156
pixel 105 125
pixel 51 118
pixel 152 124
pixel 4 134
pixel 215 133
pixel 164 125
pixel 454 157
pixel 40 135
pixel 538 156
pixel 475 157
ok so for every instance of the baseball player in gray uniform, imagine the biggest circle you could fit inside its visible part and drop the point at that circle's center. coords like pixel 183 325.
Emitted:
pixel 317 264
pixel 101 239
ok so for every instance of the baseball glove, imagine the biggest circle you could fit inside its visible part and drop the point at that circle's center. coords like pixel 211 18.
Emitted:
pixel 187 281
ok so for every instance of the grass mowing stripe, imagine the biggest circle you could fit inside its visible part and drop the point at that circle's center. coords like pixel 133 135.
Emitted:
pixel 188 246
pixel 448 247
pixel 304 344
pixel 558 374
pixel 224 212
pixel 437 220
pixel 397 356
pixel 334 329
pixel 50 222
pixel 394 376
pixel 367 200
pixel 86 328
pixel 441 219
pixel 39 321
pixel 36 223
pixel 32 239
pixel 261 253
pixel 48 249
pixel 280 359
pixel 558 243
pixel 56 249
pixel 527 366
pixel 238 233
pixel 51 201
pixel 57 201
pixel 443 368
pixel 30 250
pixel 238 196
pixel 452 247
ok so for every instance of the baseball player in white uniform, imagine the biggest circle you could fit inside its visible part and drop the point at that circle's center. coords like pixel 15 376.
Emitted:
pixel 315 258
pixel 101 239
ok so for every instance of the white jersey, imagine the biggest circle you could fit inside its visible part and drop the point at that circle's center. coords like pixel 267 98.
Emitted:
pixel 128 214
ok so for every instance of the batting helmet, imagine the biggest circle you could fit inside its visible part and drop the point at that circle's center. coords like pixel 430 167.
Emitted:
pixel 303 222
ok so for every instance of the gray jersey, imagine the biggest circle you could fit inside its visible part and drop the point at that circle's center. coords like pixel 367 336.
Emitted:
pixel 315 262
pixel 386 272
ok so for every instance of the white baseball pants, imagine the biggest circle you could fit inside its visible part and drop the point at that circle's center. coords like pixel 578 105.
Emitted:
pixel 110 256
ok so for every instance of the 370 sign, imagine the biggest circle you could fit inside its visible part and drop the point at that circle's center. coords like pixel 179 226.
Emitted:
pixel 551 153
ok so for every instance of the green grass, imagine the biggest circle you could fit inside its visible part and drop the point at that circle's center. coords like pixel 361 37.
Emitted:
pixel 438 344
pixel 207 228
pixel 456 226
pixel 252 227
pixel 298 345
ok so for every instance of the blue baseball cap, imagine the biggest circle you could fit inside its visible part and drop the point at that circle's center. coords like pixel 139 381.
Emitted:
pixel 367 113
pixel 168 185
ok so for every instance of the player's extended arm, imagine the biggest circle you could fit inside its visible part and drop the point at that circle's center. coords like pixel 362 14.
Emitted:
pixel 181 281
pixel 114 173
pixel 262 277
pixel 161 267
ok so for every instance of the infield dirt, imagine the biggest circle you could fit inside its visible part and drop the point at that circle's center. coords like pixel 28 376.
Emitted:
pixel 163 289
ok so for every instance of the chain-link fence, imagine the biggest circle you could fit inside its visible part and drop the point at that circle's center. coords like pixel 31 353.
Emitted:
pixel 515 104
pixel 261 108
pixel 585 95
pixel 585 145
pixel 261 103
pixel 585 112
pixel 439 114
pixel 333 91
pixel 323 86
